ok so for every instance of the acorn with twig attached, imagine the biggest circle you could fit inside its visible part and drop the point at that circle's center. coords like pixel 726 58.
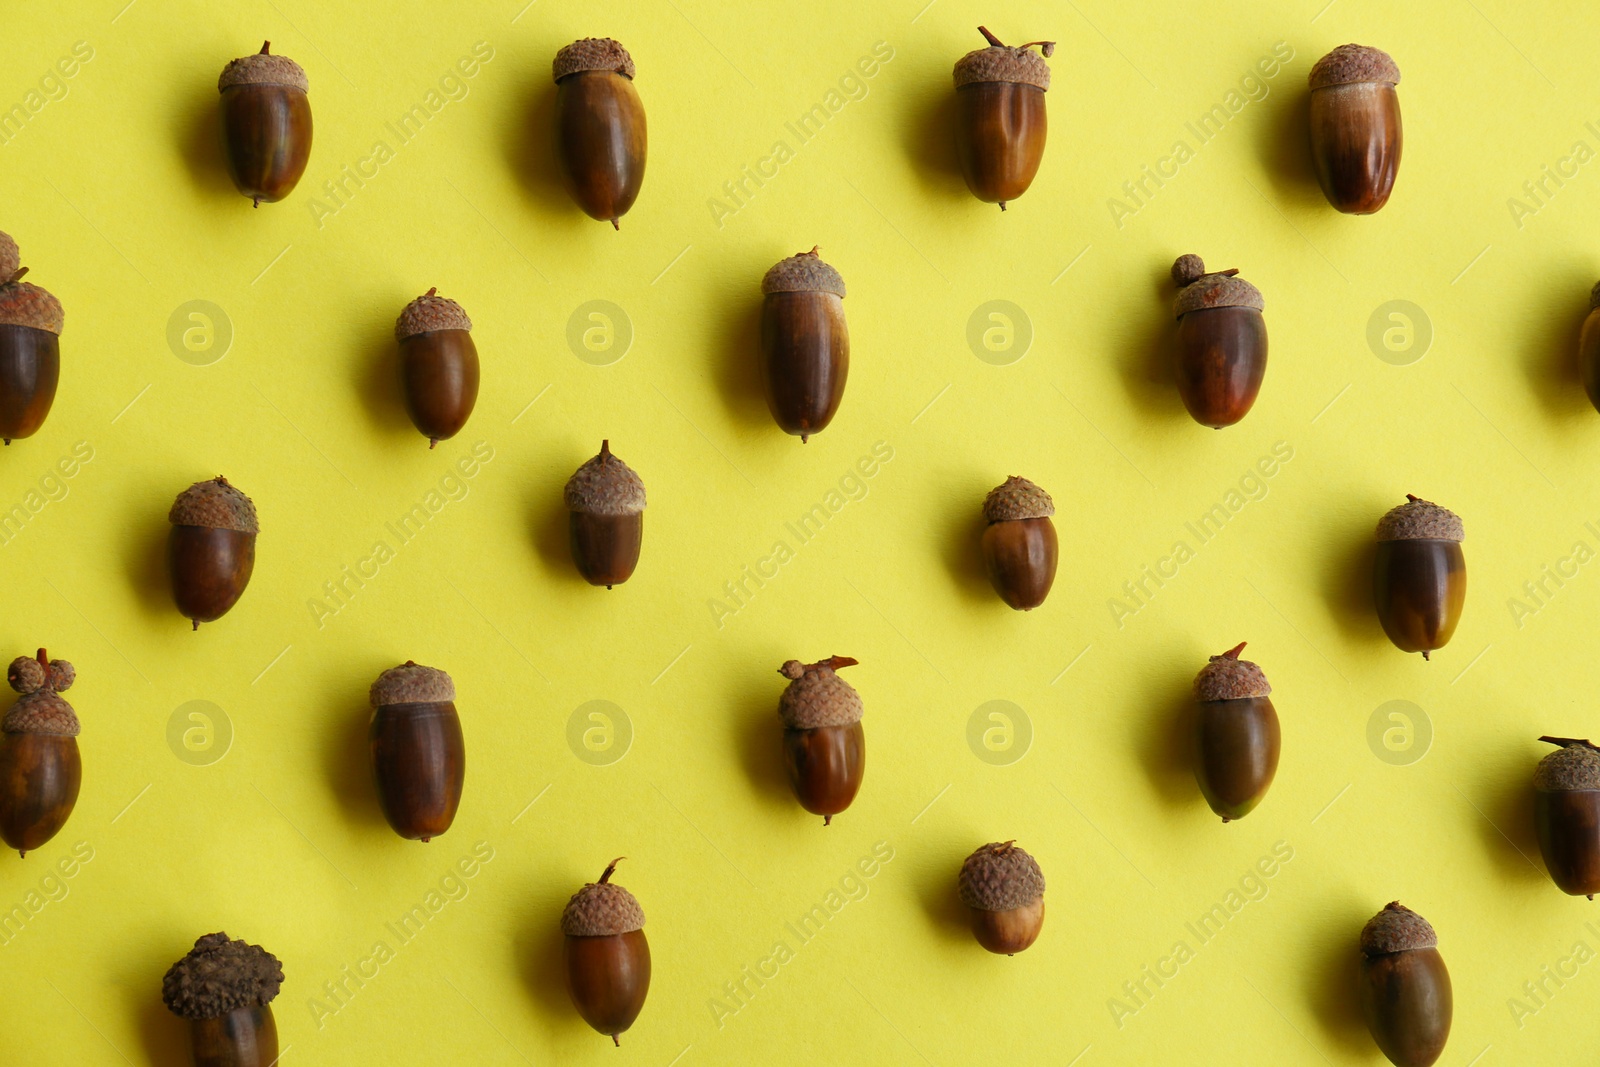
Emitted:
pixel 824 748
pixel 30 348
pixel 39 766
pixel 1222 342
pixel 1566 813
pixel 1000 117
pixel 1236 734
pixel 606 955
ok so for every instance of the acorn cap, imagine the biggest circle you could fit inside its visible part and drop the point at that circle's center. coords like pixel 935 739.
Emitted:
pixel 24 304
pixel 1198 290
pixel 999 63
pixel 605 486
pixel 10 257
pixel 1000 876
pixel 219 976
pixel 26 674
pixel 1396 929
pixel 412 683
pixel 592 53
pixel 601 909
pixel 1017 498
pixel 430 312
pixel 1575 765
pixel 817 696
pixel 1350 63
pixel 214 504
pixel 1420 520
pixel 1594 296
pixel 803 272
pixel 1227 677
pixel 40 710
pixel 263 69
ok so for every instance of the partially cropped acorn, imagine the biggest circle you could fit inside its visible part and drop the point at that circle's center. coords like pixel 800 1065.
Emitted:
pixel 606 501
pixel 39 766
pixel 438 365
pixel 30 348
pixel 1019 542
pixel 1003 889
pixel 1588 348
pixel 606 956
pixel 211 550
pixel 1405 988
pixel 419 758
pixel 1222 342
pixel 601 138
pixel 824 748
pixel 1000 117
pixel 225 989
pixel 1236 734
pixel 1355 127
pixel 1566 813
pixel 1420 580
pixel 266 124
pixel 805 343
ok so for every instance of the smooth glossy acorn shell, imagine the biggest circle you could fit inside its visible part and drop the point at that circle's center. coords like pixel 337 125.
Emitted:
pixel 601 141
pixel 606 547
pixel 1000 135
pixel 1008 932
pixel 210 569
pixel 1568 823
pixel 1222 357
pixel 1237 743
pixel 1355 144
pixel 419 764
pixel 1589 357
pixel 1020 556
pixel 266 136
pixel 825 766
pixel 1406 1001
pixel 1419 587
pixel 30 366
pixel 607 978
pixel 245 1037
pixel 439 380
pixel 805 359
pixel 39 779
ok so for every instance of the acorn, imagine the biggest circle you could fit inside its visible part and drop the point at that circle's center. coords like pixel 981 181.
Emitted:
pixel 1222 342
pixel 212 549
pixel 1355 127
pixel 824 749
pixel 39 767
pixel 419 759
pixel 1588 348
pixel 30 348
pixel 1420 581
pixel 1236 734
pixel 1019 544
pixel 1003 889
pixel 1566 812
pixel 1000 117
pixel 266 124
pixel 606 501
pixel 225 989
pixel 1405 989
pixel 607 957
pixel 601 141
pixel 805 343
pixel 438 365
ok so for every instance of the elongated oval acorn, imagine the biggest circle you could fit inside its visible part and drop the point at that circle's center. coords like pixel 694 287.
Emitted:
pixel 606 956
pixel 225 989
pixel 40 770
pixel 1355 127
pixel 1405 988
pixel 601 139
pixel 1420 580
pixel 805 343
pixel 211 550
pixel 605 499
pixel 1566 814
pixel 1222 342
pixel 1000 117
pixel 419 758
pixel 438 365
pixel 1003 889
pixel 824 747
pixel 1588 348
pixel 266 124
pixel 1019 544
pixel 30 348
pixel 1236 734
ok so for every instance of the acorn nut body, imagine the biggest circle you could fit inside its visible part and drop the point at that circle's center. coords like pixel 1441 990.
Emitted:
pixel 211 550
pixel 30 348
pixel 1003 889
pixel 601 139
pixel 1355 127
pixel 606 956
pixel 438 365
pixel 1236 734
pixel 605 499
pixel 1000 117
pixel 805 343
pixel 39 766
pixel 1222 342
pixel 1404 987
pixel 266 124
pixel 225 989
pixel 419 758
pixel 1588 348
pixel 1566 814
pixel 1019 544
pixel 824 748
pixel 1420 579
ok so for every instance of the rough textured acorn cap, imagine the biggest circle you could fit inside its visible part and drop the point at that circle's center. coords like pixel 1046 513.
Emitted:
pixel 803 272
pixel 215 504
pixel 605 486
pixel 1227 677
pixel 1574 766
pixel 1420 520
pixel 1198 290
pixel 263 69
pixel 1594 294
pixel 25 674
pixel 24 304
pixel 817 696
pixel 412 683
pixel 430 312
pixel 41 712
pixel 1017 498
pixel 10 257
pixel 999 63
pixel 1000 876
pixel 1396 929
pixel 1351 63
pixel 219 976
pixel 593 53
pixel 601 909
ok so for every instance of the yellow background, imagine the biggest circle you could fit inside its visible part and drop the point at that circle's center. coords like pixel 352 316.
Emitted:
pixel 116 195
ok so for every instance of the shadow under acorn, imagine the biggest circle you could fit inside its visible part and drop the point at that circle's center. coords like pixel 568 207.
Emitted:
pixel 1283 143
pixel 1509 834
pixel 1547 329
pixel 1144 350
pixel 937 892
pixel 145 563
pixel 347 753
pixel 376 378
pixel 1330 981
pixel 962 544
pixel 163 1035
pixel 197 130
pixel 1166 741
pixel 550 525
pixel 928 135
pixel 760 740
pixel 539 949
pixel 1347 581
pixel 530 152
pixel 738 343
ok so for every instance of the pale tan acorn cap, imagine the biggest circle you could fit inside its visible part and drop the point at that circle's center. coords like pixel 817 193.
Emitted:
pixel 592 53
pixel 803 272
pixel 1227 677
pixel 605 485
pixel 214 504
pixel 219 976
pixel 41 712
pixel 1396 929
pixel 602 909
pixel 430 312
pixel 1000 876
pixel 1575 766
pixel 412 683
pixel 1351 63
pixel 816 696
pixel 1017 498
pixel 1198 290
pixel 10 257
pixel 1420 520
pixel 263 69
pixel 24 304
pixel 1001 63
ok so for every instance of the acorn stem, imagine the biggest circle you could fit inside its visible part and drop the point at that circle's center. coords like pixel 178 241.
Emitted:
pixel 605 449
pixel 991 38
pixel 16 277
pixel 1233 653
pixel 1425 654
pixel 1566 742
pixel 833 663
pixel 432 290
pixel 1410 499
pixel 1046 47
pixel 264 46
pixel 615 225
pixel 44 660
pixel 615 1041
pixel 610 869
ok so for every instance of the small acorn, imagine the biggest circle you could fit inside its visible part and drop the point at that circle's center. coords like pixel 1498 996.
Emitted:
pixel 601 140
pixel 419 758
pixel 1019 544
pixel 1003 889
pixel 39 766
pixel 1236 734
pixel 1405 989
pixel 1355 127
pixel 1000 117
pixel 211 550
pixel 606 501
pixel 805 343
pixel 1222 342
pixel 1588 348
pixel 824 748
pixel 1420 581
pixel 1566 813
pixel 438 365
pixel 225 989
pixel 30 348
pixel 607 957
pixel 266 124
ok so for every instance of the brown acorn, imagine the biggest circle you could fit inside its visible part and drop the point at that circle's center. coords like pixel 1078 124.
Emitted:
pixel 606 501
pixel 1236 734
pixel 438 365
pixel 1000 117
pixel 601 140
pixel 266 124
pixel 39 767
pixel 1420 581
pixel 606 955
pixel 824 748
pixel 1003 889
pixel 225 989
pixel 1405 989
pixel 1222 342
pixel 1589 348
pixel 419 758
pixel 805 343
pixel 1019 544
pixel 1355 127
pixel 211 550
pixel 30 348
pixel 1566 813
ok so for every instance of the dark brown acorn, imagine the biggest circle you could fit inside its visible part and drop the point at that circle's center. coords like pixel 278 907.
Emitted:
pixel 606 501
pixel 1222 342
pixel 1589 348
pixel 1566 813
pixel 1420 581
pixel 1000 117
pixel 1355 127
pixel 1019 544
pixel 824 748
pixel 39 767
pixel 606 955
pixel 805 343
pixel 1003 889
pixel 266 124
pixel 601 141
pixel 1405 989
pixel 211 550
pixel 30 349
pixel 225 989
pixel 438 365
pixel 1236 734
pixel 419 759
